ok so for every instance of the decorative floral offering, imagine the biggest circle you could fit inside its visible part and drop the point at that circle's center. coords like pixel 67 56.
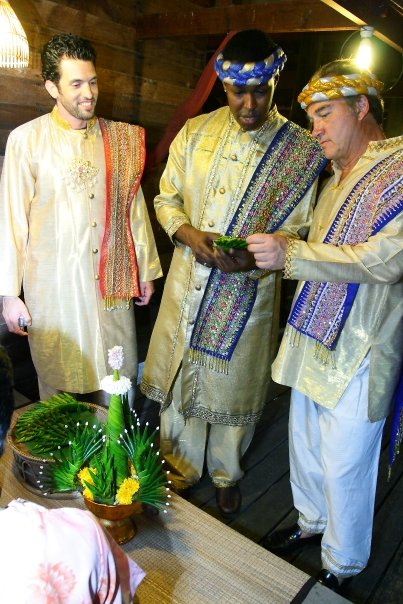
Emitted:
pixel 111 463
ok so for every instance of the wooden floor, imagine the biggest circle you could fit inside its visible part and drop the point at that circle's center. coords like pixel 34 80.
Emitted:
pixel 267 502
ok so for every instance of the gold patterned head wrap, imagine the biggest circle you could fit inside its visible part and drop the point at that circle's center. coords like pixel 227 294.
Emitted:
pixel 332 87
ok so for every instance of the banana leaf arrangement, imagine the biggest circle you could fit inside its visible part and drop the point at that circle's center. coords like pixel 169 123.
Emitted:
pixel 110 463
pixel 227 243
pixel 51 424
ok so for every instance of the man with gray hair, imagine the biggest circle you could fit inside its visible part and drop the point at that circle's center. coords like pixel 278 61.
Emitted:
pixel 235 171
pixel 343 346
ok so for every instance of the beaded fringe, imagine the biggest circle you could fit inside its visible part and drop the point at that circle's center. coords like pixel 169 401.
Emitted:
pixel 206 360
pixel 112 303
pixel 321 353
pixel 294 337
pixel 324 355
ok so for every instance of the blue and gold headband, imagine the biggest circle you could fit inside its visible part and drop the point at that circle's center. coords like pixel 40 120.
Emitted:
pixel 250 74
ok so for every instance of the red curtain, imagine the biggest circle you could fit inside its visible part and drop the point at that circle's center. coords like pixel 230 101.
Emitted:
pixel 187 109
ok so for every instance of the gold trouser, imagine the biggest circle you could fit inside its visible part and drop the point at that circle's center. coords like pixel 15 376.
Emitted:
pixel 185 443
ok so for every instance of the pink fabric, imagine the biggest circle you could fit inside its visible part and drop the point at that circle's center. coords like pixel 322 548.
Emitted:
pixel 61 556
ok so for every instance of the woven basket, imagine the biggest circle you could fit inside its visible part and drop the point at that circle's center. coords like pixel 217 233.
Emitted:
pixel 28 467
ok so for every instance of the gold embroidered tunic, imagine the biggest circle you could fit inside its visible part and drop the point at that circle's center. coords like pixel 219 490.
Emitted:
pixel 52 218
pixel 375 321
pixel 203 188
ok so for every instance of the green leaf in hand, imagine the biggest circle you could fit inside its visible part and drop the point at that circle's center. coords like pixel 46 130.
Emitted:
pixel 226 243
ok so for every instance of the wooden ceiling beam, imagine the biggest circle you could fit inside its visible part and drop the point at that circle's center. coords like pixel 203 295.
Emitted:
pixel 283 16
pixel 382 16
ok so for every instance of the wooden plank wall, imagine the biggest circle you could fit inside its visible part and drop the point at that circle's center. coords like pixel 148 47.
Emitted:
pixel 140 81
pixel 143 81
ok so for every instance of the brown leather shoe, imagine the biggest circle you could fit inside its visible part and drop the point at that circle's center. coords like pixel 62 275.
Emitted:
pixel 228 499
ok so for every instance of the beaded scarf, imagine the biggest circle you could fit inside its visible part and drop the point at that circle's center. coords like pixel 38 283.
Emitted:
pixel 321 309
pixel 283 176
pixel 124 146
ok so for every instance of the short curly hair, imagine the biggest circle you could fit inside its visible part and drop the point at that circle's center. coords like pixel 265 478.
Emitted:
pixel 64 45
pixel 249 45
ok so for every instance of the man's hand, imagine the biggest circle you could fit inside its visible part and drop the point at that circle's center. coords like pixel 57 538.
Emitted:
pixel 234 261
pixel 146 291
pixel 13 309
pixel 269 250
pixel 201 243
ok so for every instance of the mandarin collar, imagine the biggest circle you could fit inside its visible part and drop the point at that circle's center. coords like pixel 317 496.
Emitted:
pixel 62 123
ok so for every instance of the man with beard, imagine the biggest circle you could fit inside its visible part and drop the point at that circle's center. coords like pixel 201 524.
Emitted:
pixel 74 230
pixel 232 172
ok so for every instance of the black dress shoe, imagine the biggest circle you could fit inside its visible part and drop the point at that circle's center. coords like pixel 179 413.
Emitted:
pixel 228 499
pixel 328 579
pixel 289 540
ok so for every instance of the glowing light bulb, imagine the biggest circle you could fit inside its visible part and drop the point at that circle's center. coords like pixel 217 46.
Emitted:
pixel 364 54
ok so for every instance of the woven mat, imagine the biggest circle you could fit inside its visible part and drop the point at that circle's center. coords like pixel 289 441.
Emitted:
pixel 189 556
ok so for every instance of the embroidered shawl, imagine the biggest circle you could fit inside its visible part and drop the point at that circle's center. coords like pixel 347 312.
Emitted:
pixel 321 309
pixel 287 170
pixel 124 146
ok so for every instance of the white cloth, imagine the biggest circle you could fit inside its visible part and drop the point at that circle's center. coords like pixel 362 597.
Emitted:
pixel 61 556
pixel 99 397
pixel 334 456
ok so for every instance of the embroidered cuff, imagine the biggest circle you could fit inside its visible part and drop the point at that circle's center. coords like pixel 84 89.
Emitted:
pixel 174 225
pixel 289 257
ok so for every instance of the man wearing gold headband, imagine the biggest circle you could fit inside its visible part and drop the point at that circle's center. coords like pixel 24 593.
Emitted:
pixel 237 170
pixel 343 346
pixel 74 229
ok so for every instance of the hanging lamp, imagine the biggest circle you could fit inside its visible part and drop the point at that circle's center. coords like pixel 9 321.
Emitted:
pixel 364 54
pixel 14 48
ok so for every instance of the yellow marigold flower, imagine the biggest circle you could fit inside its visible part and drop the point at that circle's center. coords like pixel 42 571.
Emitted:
pixel 127 489
pixel 88 494
pixel 85 476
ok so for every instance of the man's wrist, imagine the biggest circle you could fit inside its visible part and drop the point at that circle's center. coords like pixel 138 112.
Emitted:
pixel 183 234
pixel 289 257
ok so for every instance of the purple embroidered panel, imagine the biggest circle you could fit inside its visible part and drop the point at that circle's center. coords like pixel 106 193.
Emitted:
pixel 321 309
pixel 287 170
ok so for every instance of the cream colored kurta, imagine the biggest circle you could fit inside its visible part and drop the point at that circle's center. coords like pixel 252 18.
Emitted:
pixel 51 228
pixel 203 187
pixel 375 322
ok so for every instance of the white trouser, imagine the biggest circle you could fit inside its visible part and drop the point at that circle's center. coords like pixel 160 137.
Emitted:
pixel 185 443
pixel 334 455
